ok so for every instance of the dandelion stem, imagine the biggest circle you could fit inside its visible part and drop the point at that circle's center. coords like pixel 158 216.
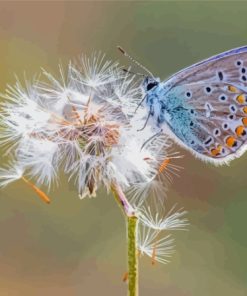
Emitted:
pixel 132 257
pixel 132 222
pixel 122 200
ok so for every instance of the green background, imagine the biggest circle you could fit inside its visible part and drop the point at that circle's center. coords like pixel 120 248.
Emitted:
pixel 74 247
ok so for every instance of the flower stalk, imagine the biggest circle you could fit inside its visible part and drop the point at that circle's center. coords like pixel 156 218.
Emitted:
pixel 122 201
pixel 132 223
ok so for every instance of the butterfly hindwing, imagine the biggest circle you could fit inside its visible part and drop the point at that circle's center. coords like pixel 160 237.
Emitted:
pixel 212 117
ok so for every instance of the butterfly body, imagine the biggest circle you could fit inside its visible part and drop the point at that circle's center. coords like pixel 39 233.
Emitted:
pixel 204 107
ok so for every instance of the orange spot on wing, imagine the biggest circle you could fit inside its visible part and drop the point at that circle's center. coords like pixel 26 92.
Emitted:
pixel 216 151
pixel 241 99
pixel 244 120
pixel 240 130
pixel 233 89
pixel 40 193
pixel 163 165
pixel 245 109
pixel 231 141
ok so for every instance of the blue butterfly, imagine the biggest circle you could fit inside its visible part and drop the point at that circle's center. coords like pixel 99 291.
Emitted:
pixel 204 107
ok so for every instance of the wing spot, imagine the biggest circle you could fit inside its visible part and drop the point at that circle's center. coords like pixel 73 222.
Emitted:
pixel 225 126
pixel 245 109
pixel 231 117
pixel 192 142
pixel 191 123
pixel 216 151
pixel 216 132
pixel 233 108
pixel 223 98
pixel 241 99
pixel 244 120
pixel 220 75
pixel 188 94
pixel 208 141
pixel 239 63
pixel 231 141
pixel 244 78
pixel 240 131
pixel 192 111
pixel 208 89
pixel 233 89
pixel 243 70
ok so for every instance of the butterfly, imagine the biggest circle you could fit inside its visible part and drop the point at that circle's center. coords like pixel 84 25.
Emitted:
pixel 204 107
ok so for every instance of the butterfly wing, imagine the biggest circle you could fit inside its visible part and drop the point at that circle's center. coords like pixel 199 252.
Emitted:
pixel 210 116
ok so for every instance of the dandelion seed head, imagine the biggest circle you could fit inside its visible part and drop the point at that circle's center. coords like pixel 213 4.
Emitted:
pixel 84 124
pixel 76 123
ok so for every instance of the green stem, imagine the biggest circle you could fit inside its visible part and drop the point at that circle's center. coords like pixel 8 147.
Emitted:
pixel 132 223
pixel 132 256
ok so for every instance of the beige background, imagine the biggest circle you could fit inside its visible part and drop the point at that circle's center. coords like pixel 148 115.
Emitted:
pixel 74 247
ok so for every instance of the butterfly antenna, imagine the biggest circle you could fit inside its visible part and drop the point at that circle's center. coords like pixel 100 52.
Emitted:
pixel 130 72
pixel 134 61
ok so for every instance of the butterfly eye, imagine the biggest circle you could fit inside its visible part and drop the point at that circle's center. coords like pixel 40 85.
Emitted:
pixel 151 85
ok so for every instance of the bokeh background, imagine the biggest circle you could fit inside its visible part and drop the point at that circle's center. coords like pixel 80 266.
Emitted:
pixel 75 247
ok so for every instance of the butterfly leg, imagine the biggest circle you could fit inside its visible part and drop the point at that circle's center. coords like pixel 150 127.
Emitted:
pixel 151 138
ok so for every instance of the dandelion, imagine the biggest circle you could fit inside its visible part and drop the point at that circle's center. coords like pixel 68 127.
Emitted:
pixel 84 124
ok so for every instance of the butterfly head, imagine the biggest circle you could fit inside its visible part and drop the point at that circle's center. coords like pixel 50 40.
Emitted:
pixel 149 83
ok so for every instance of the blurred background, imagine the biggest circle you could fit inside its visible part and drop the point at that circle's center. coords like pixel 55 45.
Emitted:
pixel 77 247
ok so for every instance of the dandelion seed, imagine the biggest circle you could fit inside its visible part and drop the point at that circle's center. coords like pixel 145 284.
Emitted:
pixel 10 174
pixel 173 220
pixel 153 244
